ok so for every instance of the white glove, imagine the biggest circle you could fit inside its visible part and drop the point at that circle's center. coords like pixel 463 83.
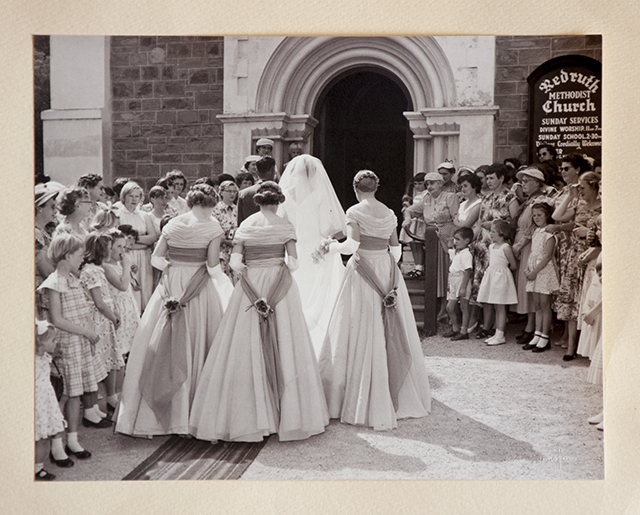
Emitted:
pixel 235 262
pixel 396 252
pixel 159 262
pixel 292 263
pixel 347 247
pixel 223 284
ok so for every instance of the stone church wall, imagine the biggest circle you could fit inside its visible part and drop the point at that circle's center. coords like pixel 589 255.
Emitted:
pixel 165 94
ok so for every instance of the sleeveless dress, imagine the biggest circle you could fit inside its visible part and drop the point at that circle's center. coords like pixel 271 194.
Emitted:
pixel 353 361
pixel 141 258
pixel 590 334
pixel 546 280
pixel 144 414
pixel 49 420
pixel 497 286
pixel 233 401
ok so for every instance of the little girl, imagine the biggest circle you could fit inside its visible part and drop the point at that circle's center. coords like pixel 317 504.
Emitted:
pixel 460 272
pixel 498 287
pixel 49 420
pixel 117 269
pixel 105 321
pixel 70 313
pixel 542 275
pixel 416 225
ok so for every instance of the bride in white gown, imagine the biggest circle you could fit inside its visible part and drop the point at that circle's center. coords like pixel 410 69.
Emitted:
pixel 313 208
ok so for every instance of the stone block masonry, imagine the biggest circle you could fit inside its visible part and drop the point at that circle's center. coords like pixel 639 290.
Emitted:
pixel 516 58
pixel 166 93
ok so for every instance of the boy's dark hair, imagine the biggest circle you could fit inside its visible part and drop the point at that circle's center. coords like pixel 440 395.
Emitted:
pixel 466 233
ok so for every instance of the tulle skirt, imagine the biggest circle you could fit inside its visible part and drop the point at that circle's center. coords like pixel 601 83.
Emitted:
pixel 353 360
pixel 232 401
pixel 203 314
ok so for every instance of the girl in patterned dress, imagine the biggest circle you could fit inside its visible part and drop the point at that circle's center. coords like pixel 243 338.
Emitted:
pixel 542 275
pixel 117 269
pixel 49 420
pixel 104 317
pixel 70 313
pixel 226 212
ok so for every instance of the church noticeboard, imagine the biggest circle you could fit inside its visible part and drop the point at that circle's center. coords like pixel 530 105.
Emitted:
pixel 565 106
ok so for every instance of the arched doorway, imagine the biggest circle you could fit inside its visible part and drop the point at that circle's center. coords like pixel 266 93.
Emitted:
pixel 362 126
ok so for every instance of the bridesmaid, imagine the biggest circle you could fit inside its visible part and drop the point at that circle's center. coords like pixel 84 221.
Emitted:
pixel 371 361
pixel 261 376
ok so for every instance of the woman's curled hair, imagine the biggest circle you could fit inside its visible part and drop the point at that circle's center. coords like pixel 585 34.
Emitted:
pixel 67 199
pixel 202 195
pixel 269 193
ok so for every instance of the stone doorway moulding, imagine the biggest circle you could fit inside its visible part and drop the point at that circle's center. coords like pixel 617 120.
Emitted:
pixel 300 68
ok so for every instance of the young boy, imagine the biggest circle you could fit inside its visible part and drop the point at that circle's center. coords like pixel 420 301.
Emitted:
pixel 459 287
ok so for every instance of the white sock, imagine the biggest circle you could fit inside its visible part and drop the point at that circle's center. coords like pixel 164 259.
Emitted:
pixel 419 267
pixel 536 339
pixel 113 399
pixel 542 342
pixel 499 334
pixel 96 410
pixel 90 414
pixel 72 442
pixel 57 449
pixel 39 467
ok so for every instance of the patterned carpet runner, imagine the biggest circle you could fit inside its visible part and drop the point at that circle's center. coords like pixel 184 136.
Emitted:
pixel 187 458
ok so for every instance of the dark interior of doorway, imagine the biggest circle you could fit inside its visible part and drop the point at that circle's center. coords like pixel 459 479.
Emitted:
pixel 361 126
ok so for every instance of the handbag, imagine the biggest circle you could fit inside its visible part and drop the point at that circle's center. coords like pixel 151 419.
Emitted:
pixel 57 382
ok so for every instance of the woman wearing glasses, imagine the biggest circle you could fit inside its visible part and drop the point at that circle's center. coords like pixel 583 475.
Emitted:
pixel 573 165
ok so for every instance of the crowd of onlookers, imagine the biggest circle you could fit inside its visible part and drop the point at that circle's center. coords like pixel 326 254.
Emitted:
pixel 93 247
pixel 524 239
pixel 515 240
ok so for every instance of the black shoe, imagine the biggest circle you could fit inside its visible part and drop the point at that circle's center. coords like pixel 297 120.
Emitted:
pixel 110 409
pixel 65 464
pixel 542 349
pixel 99 425
pixel 528 346
pixel 450 333
pixel 81 455
pixel 460 336
pixel 568 357
pixel 481 334
pixel 43 475
pixel 525 337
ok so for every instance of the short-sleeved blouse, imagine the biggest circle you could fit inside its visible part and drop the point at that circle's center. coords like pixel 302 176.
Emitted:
pixel 495 206
pixel 440 210
pixel 226 215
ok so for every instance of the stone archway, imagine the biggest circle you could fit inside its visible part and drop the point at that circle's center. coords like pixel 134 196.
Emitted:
pixel 296 72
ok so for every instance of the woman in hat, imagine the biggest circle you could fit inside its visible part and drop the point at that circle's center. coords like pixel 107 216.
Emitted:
pixel 371 362
pixel 439 209
pixel 532 181
pixel 46 195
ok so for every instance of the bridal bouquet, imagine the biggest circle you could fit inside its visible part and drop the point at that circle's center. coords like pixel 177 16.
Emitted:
pixel 321 251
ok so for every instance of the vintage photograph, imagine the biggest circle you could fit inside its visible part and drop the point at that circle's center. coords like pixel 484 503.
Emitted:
pixel 323 258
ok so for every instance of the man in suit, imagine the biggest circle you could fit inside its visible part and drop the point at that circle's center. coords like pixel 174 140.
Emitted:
pixel 266 166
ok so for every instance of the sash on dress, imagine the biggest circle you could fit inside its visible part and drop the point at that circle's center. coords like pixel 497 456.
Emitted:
pixel 397 343
pixel 268 335
pixel 165 368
